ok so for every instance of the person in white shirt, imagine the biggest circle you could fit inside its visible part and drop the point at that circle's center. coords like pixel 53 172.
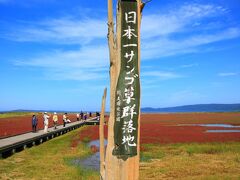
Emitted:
pixel 78 115
pixel 55 120
pixel 65 119
pixel 45 121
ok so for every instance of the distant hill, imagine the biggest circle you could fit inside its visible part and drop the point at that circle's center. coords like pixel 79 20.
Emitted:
pixel 186 108
pixel 49 111
pixel 195 108
pixel 25 110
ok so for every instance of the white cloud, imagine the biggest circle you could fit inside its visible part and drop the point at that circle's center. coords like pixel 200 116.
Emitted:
pixel 176 32
pixel 177 20
pixel 76 74
pixel 90 62
pixel 162 46
pixel 26 3
pixel 185 97
pixel 162 75
pixel 62 31
pixel 163 34
pixel 78 30
pixel 189 65
pixel 86 57
pixel 226 74
pixel 173 97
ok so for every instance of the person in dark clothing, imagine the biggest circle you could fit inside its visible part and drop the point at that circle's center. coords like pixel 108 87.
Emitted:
pixel 34 123
pixel 90 114
pixel 81 114
pixel 97 114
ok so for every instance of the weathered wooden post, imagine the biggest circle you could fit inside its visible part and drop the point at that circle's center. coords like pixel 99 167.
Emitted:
pixel 101 136
pixel 122 153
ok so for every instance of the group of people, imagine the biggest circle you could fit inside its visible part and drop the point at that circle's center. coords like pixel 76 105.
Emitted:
pixel 83 116
pixel 46 118
pixel 65 118
pixel 55 120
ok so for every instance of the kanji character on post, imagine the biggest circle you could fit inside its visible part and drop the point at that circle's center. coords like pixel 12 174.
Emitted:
pixel 129 111
pixel 131 17
pixel 129 140
pixel 128 127
pixel 129 93
pixel 129 33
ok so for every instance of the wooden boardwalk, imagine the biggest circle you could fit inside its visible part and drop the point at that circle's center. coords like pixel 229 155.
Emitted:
pixel 17 143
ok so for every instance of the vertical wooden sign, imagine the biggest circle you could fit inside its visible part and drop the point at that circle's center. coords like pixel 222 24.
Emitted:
pixel 128 87
pixel 122 152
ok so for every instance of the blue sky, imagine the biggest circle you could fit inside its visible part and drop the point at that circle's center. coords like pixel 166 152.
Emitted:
pixel 54 54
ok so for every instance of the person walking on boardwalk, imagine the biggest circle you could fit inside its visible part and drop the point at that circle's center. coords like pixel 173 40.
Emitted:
pixel 65 119
pixel 34 123
pixel 81 115
pixel 55 120
pixel 78 116
pixel 45 121
pixel 85 116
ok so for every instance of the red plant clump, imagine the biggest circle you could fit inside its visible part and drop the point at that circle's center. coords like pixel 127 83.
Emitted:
pixel 74 142
pixel 94 148
pixel 92 132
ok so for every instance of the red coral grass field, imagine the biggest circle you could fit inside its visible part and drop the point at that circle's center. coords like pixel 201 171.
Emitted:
pixel 154 128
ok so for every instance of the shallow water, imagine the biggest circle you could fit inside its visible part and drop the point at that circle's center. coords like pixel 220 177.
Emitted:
pixel 211 125
pixel 92 162
pixel 96 143
pixel 223 131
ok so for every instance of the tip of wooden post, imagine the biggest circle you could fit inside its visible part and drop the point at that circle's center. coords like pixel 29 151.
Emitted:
pixel 105 92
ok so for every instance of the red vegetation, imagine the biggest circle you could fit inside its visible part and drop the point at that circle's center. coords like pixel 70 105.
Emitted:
pixel 92 132
pixel 94 148
pixel 22 124
pixel 174 128
pixel 155 128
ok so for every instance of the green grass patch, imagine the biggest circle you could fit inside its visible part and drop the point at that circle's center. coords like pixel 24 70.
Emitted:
pixel 150 152
pixel 190 161
pixel 153 151
pixel 86 139
pixel 50 160
pixel 212 148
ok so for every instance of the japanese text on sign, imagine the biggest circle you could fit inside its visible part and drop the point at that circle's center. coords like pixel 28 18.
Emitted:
pixel 128 86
